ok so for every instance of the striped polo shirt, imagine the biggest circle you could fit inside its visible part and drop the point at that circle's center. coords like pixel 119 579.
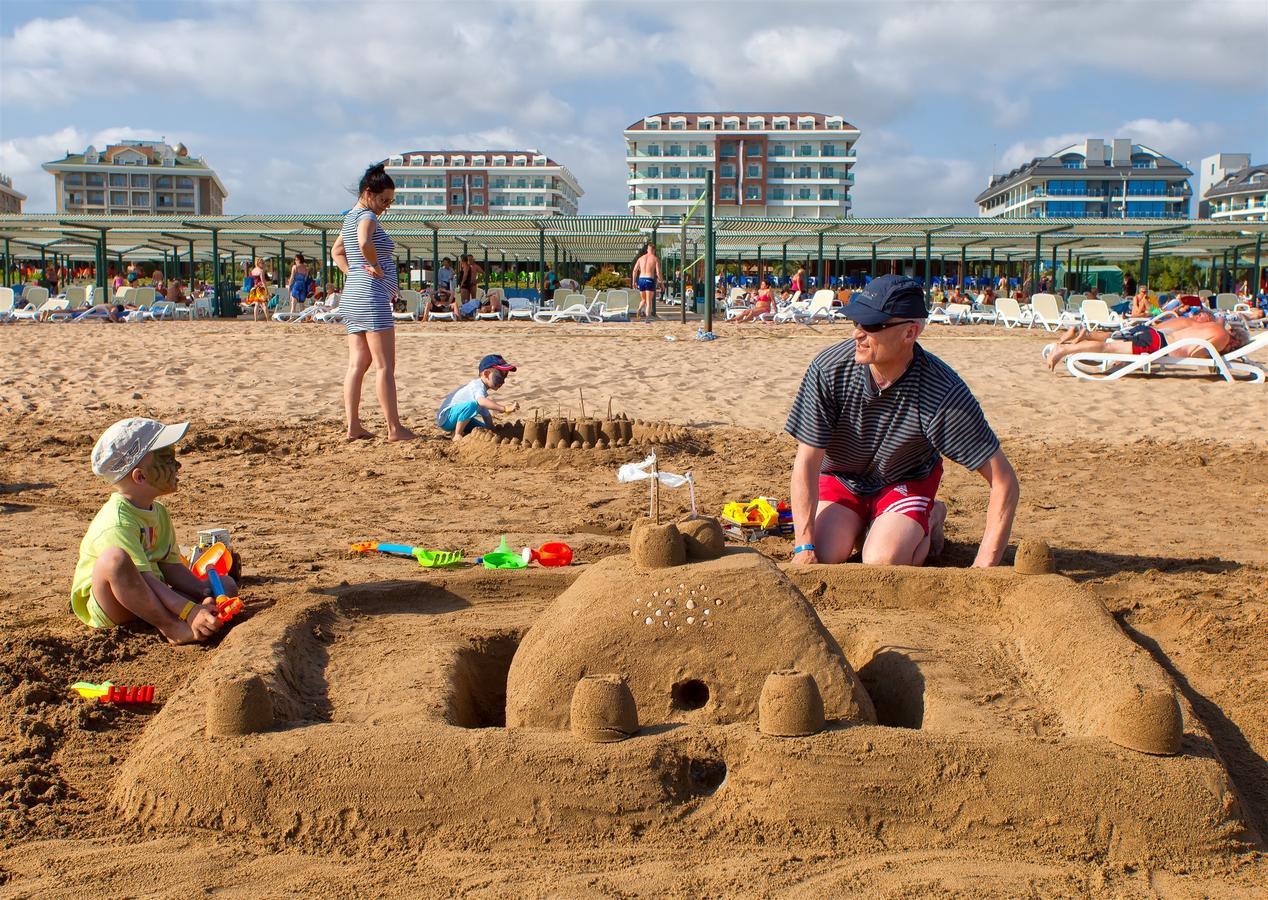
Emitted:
pixel 875 438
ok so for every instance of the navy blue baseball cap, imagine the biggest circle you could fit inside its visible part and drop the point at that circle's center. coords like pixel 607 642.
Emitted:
pixel 885 298
pixel 493 361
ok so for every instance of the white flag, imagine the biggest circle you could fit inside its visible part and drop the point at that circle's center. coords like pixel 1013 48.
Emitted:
pixel 639 471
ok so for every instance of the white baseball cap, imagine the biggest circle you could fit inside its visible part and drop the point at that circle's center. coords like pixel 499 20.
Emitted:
pixel 125 443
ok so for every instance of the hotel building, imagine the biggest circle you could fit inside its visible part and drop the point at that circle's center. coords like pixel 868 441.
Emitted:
pixel 498 182
pixel 141 178
pixel 10 199
pixel 1095 180
pixel 1214 169
pixel 1240 196
pixel 791 165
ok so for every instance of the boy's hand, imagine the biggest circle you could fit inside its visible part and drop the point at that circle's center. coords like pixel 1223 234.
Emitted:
pixel 513 406
pixel 202 622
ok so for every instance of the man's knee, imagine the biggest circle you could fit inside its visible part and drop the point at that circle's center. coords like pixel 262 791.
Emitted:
pixel 887 555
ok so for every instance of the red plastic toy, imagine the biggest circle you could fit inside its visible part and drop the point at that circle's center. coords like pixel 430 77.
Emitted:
pixel 214 563
pixel 227 608
pixel 554 553
pixel 121 695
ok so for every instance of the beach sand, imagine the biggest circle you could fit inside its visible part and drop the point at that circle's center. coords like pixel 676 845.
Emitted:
pixel 1151 493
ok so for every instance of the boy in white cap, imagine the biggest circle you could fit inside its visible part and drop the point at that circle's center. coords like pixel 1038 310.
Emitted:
pixel 129 564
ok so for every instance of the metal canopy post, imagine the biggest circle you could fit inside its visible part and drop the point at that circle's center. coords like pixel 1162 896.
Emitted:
pixel 541 263
pixel 1258 272
pixel 435 259
pixel 1237 257
pixel 928 260
pixel 964 256
pixel 874 243
pixel 819 274
pixel 783 273
pixel 8 263
pixel 709 250
pixel 1034 275
pixel 1144 265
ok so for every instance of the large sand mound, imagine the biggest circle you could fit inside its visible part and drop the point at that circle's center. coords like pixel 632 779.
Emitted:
pixel 694 642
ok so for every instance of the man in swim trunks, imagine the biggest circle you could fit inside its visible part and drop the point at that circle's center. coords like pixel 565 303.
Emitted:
pixel 1224 335
pixel 646 275
pixel 873 418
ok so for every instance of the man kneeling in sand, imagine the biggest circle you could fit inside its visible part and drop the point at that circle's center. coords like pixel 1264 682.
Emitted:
pixel 873 418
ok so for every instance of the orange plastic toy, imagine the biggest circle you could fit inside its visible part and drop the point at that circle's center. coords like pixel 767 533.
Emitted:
pixel 120 696
pixel 213 563
pixel 554 553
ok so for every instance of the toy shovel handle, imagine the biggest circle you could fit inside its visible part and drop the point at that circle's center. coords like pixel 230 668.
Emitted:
pixel 400 549
pixel 217 586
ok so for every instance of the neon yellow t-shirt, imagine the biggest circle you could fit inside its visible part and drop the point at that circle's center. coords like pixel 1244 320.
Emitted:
pixel 146 535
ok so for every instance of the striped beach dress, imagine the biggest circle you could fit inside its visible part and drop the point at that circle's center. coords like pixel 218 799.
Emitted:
pixel 366 302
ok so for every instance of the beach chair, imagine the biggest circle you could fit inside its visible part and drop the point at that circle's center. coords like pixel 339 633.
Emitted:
pixel 6 304
pixel 163 309
pixel 36 298
pixel 1204 294
pixel 951 314
pixel 792 309
pixel 77 296
pixel 823 306
pixel 591 294
pixel 329 312
pixel 560 294
pixel 615 306
pixel 1010 313
pixel 202 308
pixel 520 308
pixel 1226 302
pixel 497 316
pixel 1045 310
pixel 1096 313
pixel 1231 366
pixel 571 306
pixel 413 307
pixel 980 314
pixel 737 303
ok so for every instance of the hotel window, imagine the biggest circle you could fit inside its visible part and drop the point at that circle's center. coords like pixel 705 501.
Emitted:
pixel 828 150
pixel 674 150
pixel 477 160
pixel 539 183
pixel 673 172
pixel 777 150
pixel 521 161
pixel 827 194
pixel 827 172
pixel 140 198
pixel 778 193
pixel 184 184
pixel 730 124
pixel 804 194
pixel 477 199
pixel 673 193
pixel 728 171
pixel 162 181
pixel 95 180
pixel 728 150
pixel 521 183
pixel 118 198
pixel 498 183
pixel 1144 162
pixel 756 123
pixel 653 149
pixel 677 125
pixel 753 192
pixel 698 172
pixel 781 124
pixel 416 161
pixel 835 123
pixel 74 180
pixel 805 172
pixel 118 179
pixel 699 149
pixel 806 124
pixel 778 172
pixel 185 201
pixel 455 199
pixel 752 170
pixel 653 193
pixel 805 150
pixel 477 181
pixel 653 172
pixel 436 181
pixel 96 198
pixel 754 149
pixel 652 125
pixel 705 125
pixel 726 192
pixel 437 160
pixel 1073 162
pixel 163 201
pixel 455 181
pixel 499 160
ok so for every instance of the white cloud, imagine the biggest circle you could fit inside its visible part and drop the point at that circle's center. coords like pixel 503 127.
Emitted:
pixel 892 179
pixel 22 158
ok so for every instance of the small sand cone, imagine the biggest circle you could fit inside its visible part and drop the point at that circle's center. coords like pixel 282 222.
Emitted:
pixel 703 538
pixel 1034 558
pixel 657 546
pixel 790 705
pixel 241 706
pixel 554 433
pixel 603 709
pixel 627 432
pixel 589 429
pixel 535 432
pixel 1149 722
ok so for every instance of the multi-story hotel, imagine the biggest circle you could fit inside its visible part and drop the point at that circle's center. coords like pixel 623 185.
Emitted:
pixel 1239 196
pixel 794 165
pixel 518 182
pixel 141 178
pixel 10 199
pixel 1096 180
pixel 1215 169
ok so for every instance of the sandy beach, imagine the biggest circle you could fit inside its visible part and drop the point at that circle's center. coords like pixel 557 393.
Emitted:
pixel 1151 493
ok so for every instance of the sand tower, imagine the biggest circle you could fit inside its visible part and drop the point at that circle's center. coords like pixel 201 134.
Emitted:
pixel 694 642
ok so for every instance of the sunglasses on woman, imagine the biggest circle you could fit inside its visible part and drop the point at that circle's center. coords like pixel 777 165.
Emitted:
pixel 876 329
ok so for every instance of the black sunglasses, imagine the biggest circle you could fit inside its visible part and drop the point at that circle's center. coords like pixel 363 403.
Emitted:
pixel 875 329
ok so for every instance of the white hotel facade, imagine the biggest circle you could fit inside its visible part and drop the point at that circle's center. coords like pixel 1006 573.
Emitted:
pixel 494 182
pixel 790 165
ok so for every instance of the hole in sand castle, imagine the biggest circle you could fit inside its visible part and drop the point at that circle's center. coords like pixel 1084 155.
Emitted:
pixel 897 688
pixel 690 694
pixel 477 696
pixel 706 775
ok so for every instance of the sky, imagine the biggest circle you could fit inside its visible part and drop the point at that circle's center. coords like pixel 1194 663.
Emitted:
pixel 289 102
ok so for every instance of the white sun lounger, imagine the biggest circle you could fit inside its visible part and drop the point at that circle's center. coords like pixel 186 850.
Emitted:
pixel 1232 366
pixel 1045 310
pixel 520 308
pixel 1096 314
pixel 615 306
pixel 951 314
pixel 1010 313
pixel 573 307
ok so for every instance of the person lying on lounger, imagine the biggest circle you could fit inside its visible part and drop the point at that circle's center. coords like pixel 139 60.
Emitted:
pixel 1225 335
pixel 763 302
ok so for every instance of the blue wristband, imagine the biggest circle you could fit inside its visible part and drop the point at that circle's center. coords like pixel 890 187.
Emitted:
pixel 801 547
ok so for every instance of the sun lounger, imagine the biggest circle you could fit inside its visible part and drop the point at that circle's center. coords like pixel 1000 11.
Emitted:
pixel 520 308
pixel 1096 314
pixel 1232 366
pixel 572 306
pixel 1045 310
pixel 823 305
pixel 413 307
pixel 6 304
pixel 951 314
pixel 615 306
pixel 1010 313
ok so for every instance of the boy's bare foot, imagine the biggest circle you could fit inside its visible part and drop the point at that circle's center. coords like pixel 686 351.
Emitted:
pixel 360 434
pixel 402 434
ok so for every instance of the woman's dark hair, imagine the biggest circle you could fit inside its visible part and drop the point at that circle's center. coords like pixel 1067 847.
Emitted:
pixel 299 258
pixel 376 180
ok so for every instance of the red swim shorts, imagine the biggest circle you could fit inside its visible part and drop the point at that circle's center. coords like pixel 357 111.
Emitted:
pixel 913 499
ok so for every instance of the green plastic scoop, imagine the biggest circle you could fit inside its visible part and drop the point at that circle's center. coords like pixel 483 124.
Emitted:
pixel 437 559
pixel 504 558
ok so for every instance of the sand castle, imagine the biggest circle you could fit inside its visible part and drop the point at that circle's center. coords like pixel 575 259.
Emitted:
pixel 684 687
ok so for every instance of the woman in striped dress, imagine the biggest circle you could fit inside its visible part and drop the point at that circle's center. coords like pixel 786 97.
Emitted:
pixel 363 252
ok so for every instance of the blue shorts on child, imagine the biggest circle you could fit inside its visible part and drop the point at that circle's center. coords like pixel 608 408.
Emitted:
pixel 462 405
